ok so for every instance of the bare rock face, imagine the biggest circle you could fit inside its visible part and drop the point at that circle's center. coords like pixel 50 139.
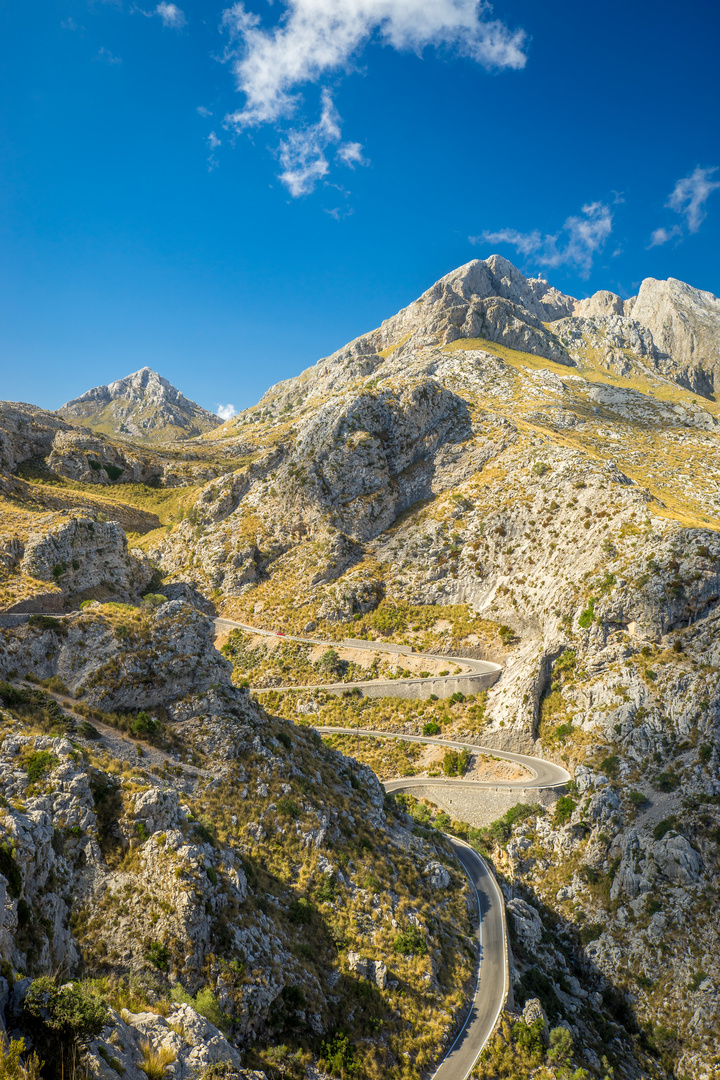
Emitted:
pixel 82 555
pixel 509 324
pixel 90 459
pixel 190 1041
pixel 26 432
pixel 600 303
pixel 143 406
pixel 369 458
pixel 685 324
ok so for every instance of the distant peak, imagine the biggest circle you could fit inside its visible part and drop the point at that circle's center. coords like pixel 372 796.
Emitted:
pixel 144 405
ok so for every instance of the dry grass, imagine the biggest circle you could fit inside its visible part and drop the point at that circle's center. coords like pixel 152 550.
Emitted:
pixel 155 1060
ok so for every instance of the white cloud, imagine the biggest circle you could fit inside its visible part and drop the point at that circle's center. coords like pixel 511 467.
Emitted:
pixel 107 57
pixel 316 38
pixel 302 152
pixel 351 154
pixel 213 141
pixel 202 111
pixel 226 412
pixel 662 236
pixel 690 195
pixel 171 15
pixel 580 238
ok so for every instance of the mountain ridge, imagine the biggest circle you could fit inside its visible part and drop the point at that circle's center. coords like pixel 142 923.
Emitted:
pixel 143 405
pixel 554 507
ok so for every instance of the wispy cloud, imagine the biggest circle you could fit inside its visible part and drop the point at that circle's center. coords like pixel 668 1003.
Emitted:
pixel 662 235
pixel 213 142
pixel 690 194
pixel 302 151
pixel 317 38
pixel 688 199
pixel 576 244
pixel 226 412
pixel 171 15
pixel 202 111
pixel 351 153
pixel 106 57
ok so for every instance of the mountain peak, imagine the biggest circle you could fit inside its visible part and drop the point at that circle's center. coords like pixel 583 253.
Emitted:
pixel 143 405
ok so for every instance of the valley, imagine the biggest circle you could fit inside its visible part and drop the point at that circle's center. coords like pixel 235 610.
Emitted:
pixel 262 679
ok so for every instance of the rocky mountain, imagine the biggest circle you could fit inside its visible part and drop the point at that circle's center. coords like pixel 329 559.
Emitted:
pixel 500 471
pixel 143 406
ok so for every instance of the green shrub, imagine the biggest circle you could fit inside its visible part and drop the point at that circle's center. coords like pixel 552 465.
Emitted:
pixel 455 762
pixel 12 1066
pixel 114 471
pixel 663 827
pixel 705 752
pixel 143 724
pixel 287 808
pixel 46 622
pixel 666 781
pixel 326 890
pixel 301 911
pixel 204 833
pixel 208 1006
pixel 61 1020
pixel 410 942
pixel 611 765
pixel 432 728
pixel 587 617
pixel 337 1055
pixel 539 468
pixel 590 932
pixel 86 730
pixel 153 600
pixel 563 810
pixel 158 955
pixel 637 798
pixel 39 763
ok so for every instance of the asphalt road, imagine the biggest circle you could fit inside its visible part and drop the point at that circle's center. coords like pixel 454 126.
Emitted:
pixel 469 667
pixel 544 774
pixel 491 972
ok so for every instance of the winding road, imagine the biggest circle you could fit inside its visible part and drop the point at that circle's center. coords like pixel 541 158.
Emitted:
pixel 474 675
pixel 492 969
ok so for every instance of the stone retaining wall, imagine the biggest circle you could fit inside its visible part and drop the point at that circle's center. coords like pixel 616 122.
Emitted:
pixel 419 689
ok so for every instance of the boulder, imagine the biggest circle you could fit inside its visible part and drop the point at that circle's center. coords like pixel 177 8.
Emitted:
pixel 437 875
pixel 528 923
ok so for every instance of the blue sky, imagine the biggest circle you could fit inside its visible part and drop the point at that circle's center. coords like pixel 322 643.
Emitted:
pixel 227 193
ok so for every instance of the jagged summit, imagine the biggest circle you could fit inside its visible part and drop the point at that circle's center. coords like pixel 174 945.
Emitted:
pixel 143 405
pixel 669 331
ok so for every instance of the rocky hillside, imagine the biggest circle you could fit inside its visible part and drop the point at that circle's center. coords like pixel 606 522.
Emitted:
pixel 498 468
pixel 190 856
pixel 143 406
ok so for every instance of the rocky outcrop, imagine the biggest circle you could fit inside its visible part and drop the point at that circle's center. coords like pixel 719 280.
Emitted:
pixel 600 304
pixel 186 1042
pixel 26 433
pixel 142 406
pixel 90 459
pixel 685 324
pixel 85 558
pixel 140 662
